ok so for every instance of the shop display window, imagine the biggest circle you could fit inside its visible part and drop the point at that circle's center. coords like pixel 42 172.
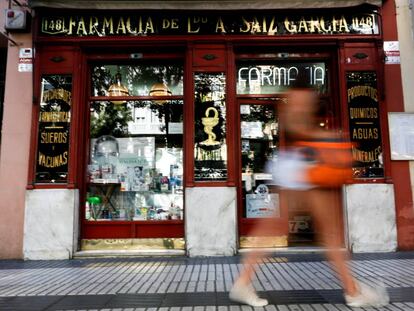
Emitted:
pixel 210 150
pixel 52 154
pixel 135 170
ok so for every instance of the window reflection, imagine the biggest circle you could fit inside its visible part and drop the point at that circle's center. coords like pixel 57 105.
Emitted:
pixel 139 80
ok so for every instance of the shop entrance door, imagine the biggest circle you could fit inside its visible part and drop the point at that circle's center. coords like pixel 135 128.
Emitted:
pixel 269 217
pixel 263 215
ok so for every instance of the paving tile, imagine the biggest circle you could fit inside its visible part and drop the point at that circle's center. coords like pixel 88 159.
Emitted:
pixel 75 302
pixel 183 299
pixel 135 301
pixel 201 286
pixel 168 287
pixel 222 299
pixel 331 307
pixel 191 286
pixel 21 303
pixel 220 287
pixel 342 307
pixel 182 287
pixel 210 286
pixel 211 274
pixel 403 306
pixel 318 307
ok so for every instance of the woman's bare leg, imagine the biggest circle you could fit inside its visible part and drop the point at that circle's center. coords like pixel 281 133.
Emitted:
pixel 322 202
pixel 250 259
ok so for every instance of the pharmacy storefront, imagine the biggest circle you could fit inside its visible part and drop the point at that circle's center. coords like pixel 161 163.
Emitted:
pixel 153 127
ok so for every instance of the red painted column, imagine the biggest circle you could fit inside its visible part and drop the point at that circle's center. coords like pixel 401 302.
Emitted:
pixel 400 173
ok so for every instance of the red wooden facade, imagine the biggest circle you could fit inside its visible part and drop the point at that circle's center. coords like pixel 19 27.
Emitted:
pixel 73 55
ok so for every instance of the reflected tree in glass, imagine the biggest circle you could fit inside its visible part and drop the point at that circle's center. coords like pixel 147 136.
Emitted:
pixel 137 78
pixel 110 119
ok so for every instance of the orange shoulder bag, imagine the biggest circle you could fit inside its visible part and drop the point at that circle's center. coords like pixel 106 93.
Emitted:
pixel 330 162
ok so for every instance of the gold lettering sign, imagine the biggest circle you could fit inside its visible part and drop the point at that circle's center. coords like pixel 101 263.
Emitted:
pixel 364 123
pixel 365 133
pixel 55 94
pixel 54 138
pixel 53 161
pixel 362 90
pixel 363 113
pixel 366 156
pixel 54 123
pixel 55 116
pixel 182 24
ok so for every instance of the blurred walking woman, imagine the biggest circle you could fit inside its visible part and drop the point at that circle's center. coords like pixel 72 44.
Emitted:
pixel 314 164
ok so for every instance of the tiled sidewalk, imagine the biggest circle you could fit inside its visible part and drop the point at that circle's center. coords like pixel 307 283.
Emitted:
pixel 290 282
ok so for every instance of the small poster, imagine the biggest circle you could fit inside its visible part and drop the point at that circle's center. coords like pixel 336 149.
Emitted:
pixel 245 109
pixel 251 129
pixel 25 60
pixel 401 135
pixel 175 128
pixel 392 52
pixel 25 65
pixel 258 206
pixel 262 204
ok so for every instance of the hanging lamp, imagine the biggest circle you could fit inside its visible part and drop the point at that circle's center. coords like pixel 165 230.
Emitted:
pixel 118 89
pixel 160 89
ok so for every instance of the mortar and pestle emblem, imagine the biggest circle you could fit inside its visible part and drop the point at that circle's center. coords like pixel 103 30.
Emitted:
pixel 209 123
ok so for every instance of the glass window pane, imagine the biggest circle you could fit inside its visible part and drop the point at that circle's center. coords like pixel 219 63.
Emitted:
pixel 271 78
pixel 259 130
pixel 139 80
pixel 364 124
pixel 210 152
pixel 54 124
pixel 136 161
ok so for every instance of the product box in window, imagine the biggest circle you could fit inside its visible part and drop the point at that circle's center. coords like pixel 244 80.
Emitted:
pixel 94 172
pixel 133 173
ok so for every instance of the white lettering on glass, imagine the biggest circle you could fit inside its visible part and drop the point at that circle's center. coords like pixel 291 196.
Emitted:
pixel 279 76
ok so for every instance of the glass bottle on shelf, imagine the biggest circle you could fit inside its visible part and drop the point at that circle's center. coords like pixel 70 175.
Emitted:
pixel 164 184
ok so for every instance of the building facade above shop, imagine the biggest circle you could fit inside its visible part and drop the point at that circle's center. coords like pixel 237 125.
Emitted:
pixel 201 5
